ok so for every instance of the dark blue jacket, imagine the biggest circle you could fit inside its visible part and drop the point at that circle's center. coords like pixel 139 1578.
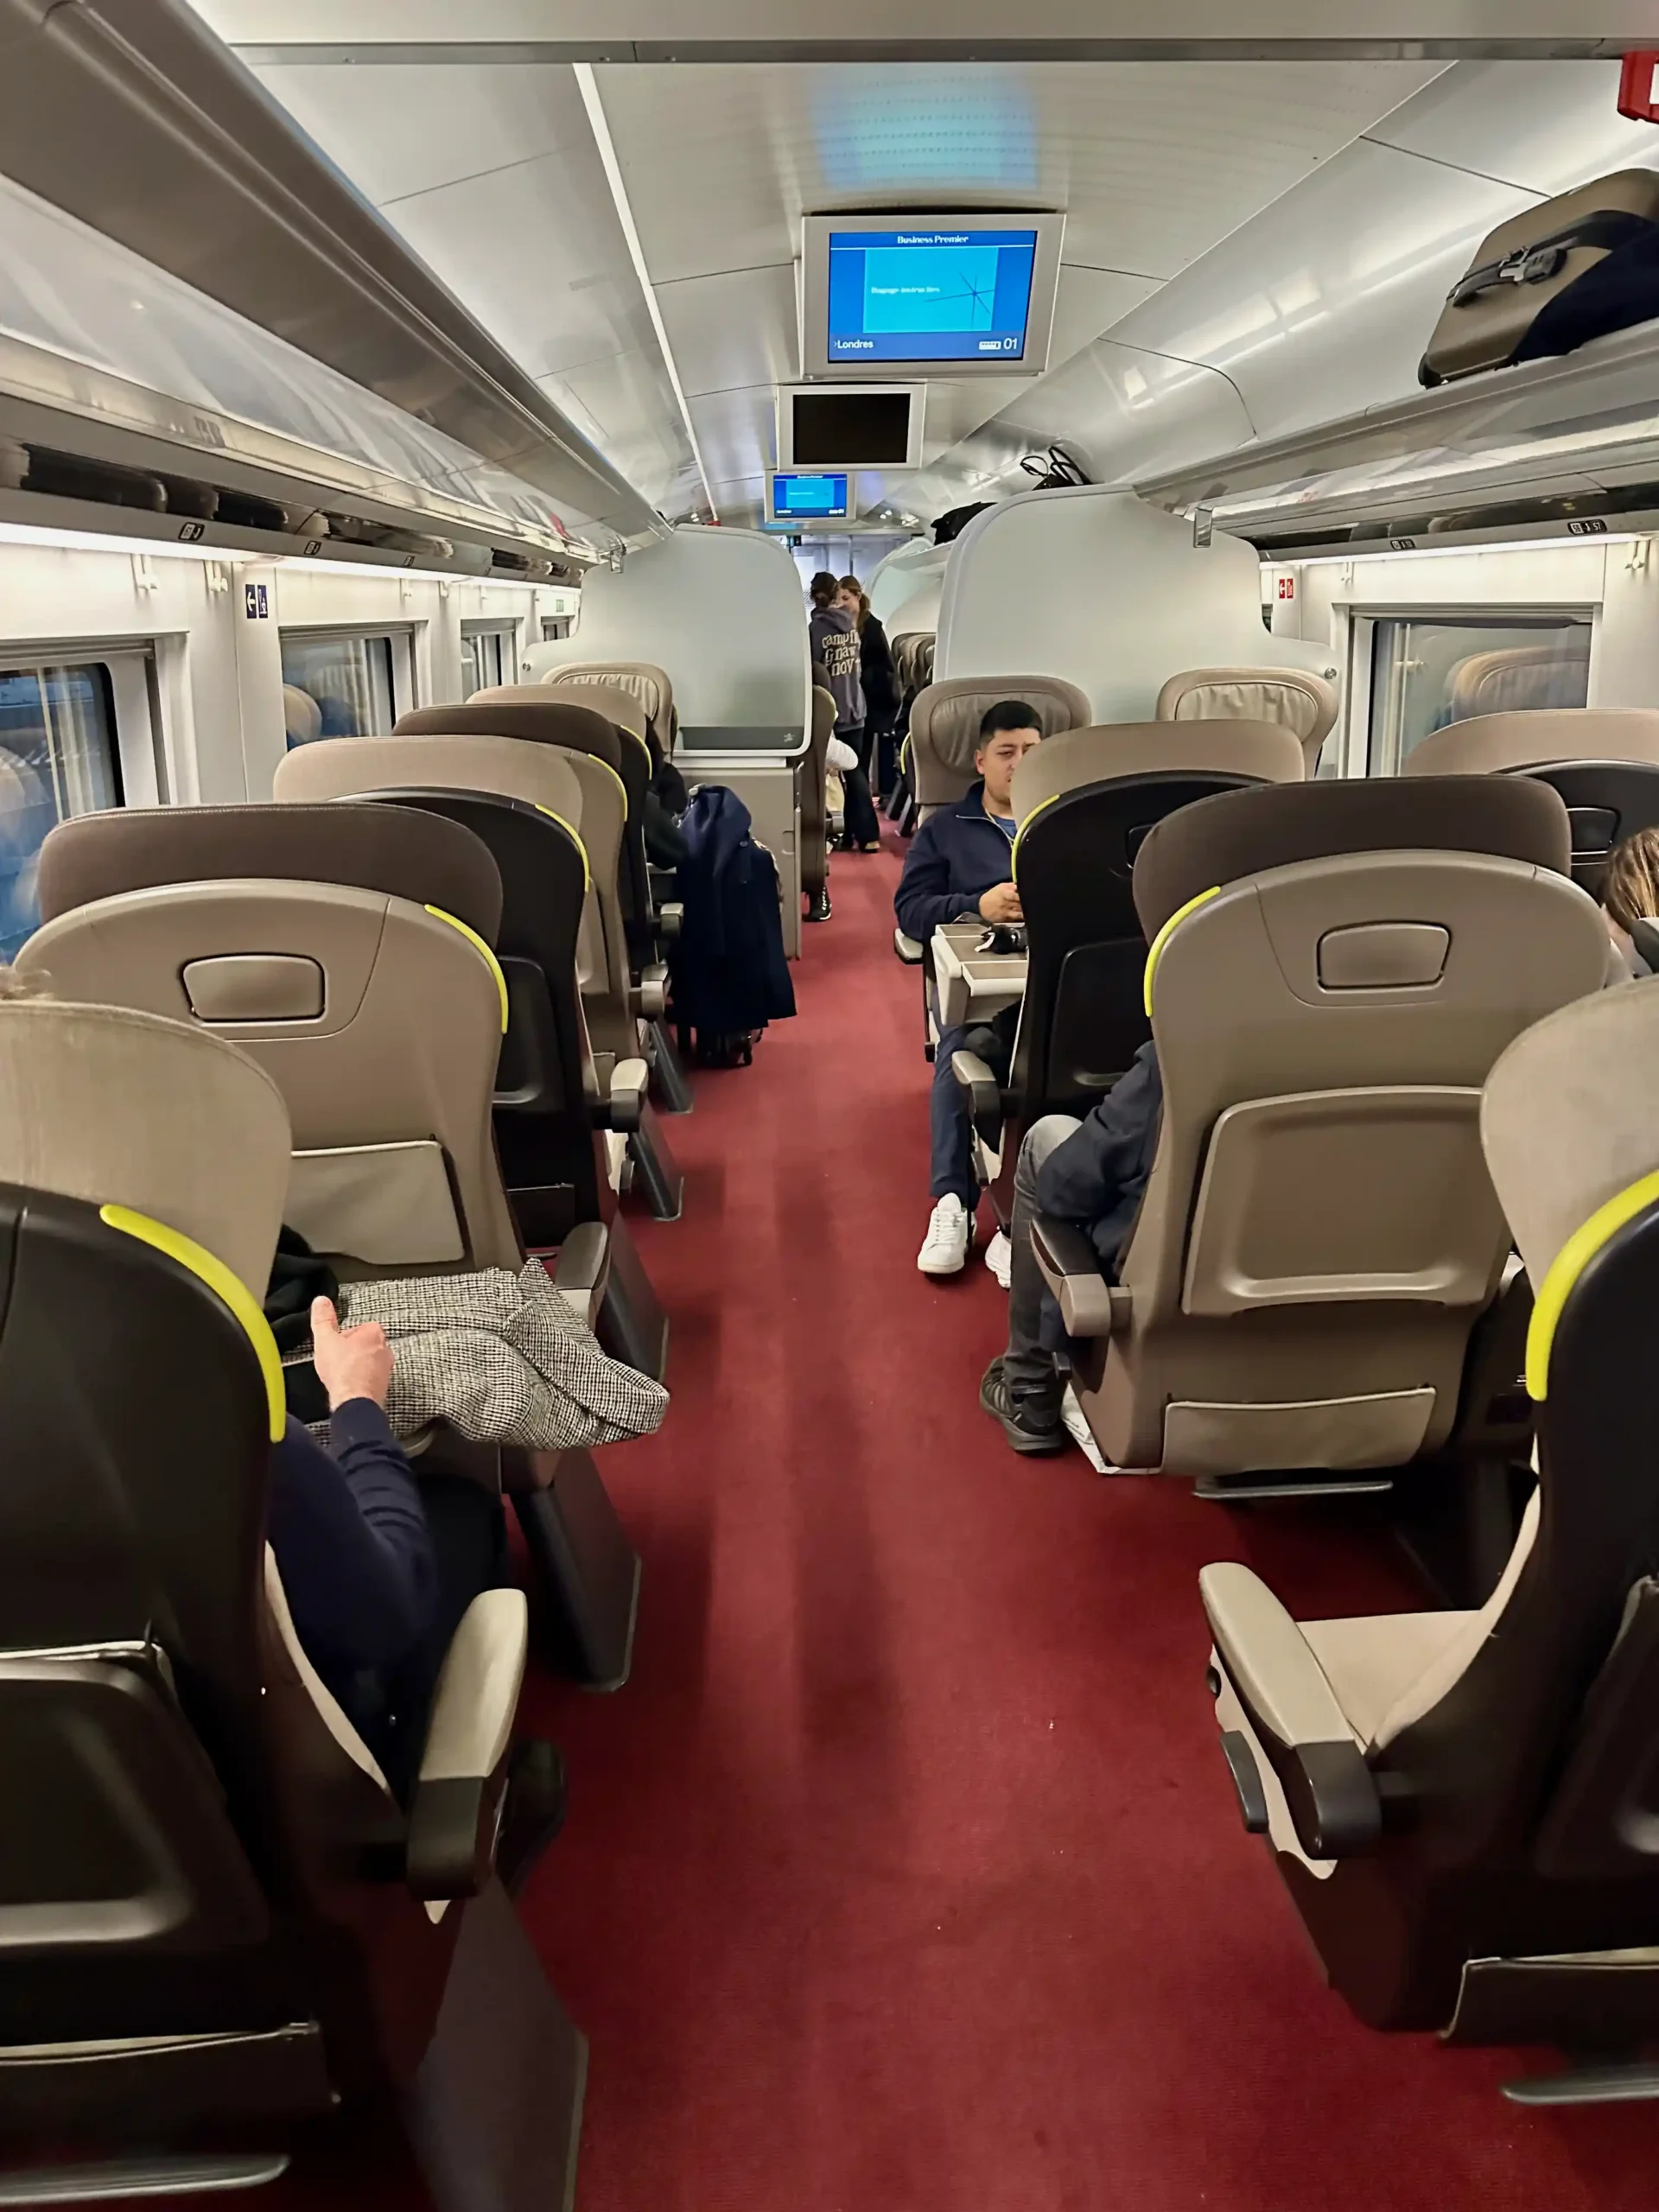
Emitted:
pixel 352 1546
pixel 959 853
pixel 729 968
pixel 1097 1177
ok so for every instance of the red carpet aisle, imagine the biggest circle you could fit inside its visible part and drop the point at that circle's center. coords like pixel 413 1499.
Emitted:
pixel 904 1875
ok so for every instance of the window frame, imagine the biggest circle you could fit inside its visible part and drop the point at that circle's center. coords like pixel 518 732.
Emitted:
pixel 1366 625
pixel 505 633
pixel 400 636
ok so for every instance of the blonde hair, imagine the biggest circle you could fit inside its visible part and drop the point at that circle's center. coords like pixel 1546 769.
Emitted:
pixel 1630 893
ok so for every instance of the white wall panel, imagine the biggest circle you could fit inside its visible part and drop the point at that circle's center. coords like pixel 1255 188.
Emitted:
pixel 721 610
pixel 1096 586
pixel 1545 126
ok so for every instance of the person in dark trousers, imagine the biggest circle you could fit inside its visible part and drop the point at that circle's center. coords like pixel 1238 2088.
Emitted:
pixel 835 644
pixel 1093 1173
pixel 961 868
pixel 881 680
pixel 377 1570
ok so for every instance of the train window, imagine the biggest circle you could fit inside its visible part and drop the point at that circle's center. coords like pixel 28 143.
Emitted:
pixel 489 654
pixel 336 684
pixel 59 755
pixel 1428 672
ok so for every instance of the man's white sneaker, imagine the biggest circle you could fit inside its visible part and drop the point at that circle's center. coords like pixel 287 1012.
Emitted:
pixel 949 1233
pixel 999 1257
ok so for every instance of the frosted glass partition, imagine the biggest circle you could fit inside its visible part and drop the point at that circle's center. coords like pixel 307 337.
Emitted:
pixel 1095 586
pixel 902 575
pixel 919 613
pixel 723 612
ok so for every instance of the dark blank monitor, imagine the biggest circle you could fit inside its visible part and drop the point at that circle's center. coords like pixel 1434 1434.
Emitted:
pixel 838 429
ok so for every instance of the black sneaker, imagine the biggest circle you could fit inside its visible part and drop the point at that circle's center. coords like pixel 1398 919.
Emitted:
pixel 1031 1424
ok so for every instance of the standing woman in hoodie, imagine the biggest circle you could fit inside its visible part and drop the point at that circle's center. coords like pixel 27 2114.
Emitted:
pixel 881 680
pixel 836 644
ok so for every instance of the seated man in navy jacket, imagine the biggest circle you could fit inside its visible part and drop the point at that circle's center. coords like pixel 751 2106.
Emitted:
pixel 1091 1172
pixel 960 869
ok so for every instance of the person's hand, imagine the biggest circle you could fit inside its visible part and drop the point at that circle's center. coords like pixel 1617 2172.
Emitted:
pixel 350 1363
pixel 1002 904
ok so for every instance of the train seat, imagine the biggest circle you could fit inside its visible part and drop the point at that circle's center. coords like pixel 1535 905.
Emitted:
pixel 643 680
pixel 565 1119
pixel 1461 1805
pixel 1294 697
pixel 1483 744
pixel 626 997
pixel 944 719
pixel 315 938
pixel 318 940
pixel 218 1921
pixel 1521 679
pixel 1319 1237
pixel 1603 761
pixel 593 747
pixel 1085 800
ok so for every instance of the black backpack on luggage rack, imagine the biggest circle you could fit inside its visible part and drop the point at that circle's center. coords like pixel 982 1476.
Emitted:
pixel 729 974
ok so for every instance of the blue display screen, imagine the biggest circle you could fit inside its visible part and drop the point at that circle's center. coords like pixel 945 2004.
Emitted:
pixel 809 498
pixel 930 296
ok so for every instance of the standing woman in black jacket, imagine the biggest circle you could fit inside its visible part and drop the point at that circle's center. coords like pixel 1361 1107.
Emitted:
pixel 881 680
pixel 834 640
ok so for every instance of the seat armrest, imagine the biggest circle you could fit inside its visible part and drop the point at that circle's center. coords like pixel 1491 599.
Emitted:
pixel 456 1810
pixel 651 998
pixel 583 1265
pixel 907 949
pixel 1090 1305
pixel 670 919
pixel 1303 1732
pixel 629 1080
pixel 984 1095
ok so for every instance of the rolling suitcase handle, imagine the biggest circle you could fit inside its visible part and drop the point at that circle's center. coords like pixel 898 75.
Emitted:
pixel 1538 262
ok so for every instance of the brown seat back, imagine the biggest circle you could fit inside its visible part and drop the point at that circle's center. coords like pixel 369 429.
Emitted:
pixel 378 1014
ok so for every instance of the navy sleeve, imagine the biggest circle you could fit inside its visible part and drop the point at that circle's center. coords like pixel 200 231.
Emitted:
pixel 350 1539
pixel 924 897
pixel 1083 1178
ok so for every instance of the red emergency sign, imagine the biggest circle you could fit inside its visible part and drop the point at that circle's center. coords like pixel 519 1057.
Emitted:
pixel 1638 86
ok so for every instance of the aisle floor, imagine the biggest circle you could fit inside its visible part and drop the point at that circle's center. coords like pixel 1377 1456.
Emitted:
pixel 906 1875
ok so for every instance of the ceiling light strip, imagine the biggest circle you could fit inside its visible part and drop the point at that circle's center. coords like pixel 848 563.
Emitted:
pixel 588 85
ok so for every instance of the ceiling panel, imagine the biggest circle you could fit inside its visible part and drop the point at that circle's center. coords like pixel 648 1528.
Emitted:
pixel 1154 162
pixel 409 130
pixel 492 176
pixel 1543 126
pixel 1331 295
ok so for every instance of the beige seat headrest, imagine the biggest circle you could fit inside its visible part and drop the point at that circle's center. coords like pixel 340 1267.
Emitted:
pixel 1303 702
pixel 1264 751
pixel 118 1107
pixel 1487 744
pixel 1567 1121
pixel 946 716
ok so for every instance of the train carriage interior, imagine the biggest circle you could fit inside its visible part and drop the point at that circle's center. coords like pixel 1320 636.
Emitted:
pixel 829 1110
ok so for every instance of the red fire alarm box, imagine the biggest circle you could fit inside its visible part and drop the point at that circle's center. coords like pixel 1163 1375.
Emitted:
pixel 1638 86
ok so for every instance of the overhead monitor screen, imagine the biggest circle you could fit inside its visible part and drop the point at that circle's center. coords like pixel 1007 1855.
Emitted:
pixel 907 295
pixel 820 498
pixel 941 292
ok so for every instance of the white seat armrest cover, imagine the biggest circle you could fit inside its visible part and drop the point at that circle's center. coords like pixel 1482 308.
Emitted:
pixel 477 1696
pixel 1270 1662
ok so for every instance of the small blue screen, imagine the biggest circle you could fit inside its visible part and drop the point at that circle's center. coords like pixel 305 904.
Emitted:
pixel 810 499
pixel 930 296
